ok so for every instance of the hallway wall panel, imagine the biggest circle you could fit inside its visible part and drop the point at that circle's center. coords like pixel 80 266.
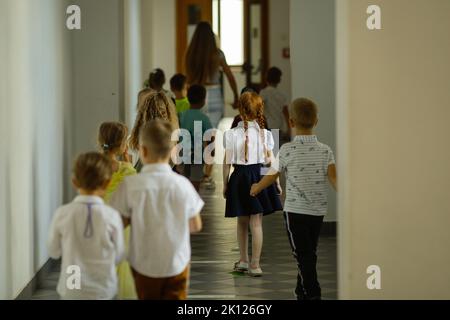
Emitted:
pixel 97 72
pixel 36 59
pixel 393 127
pixel 313 67
pixel 5 265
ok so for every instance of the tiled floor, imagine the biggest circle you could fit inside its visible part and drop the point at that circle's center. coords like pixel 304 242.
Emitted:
pixel 214 252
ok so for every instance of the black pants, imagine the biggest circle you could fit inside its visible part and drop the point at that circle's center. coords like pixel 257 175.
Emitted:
pixel 303 232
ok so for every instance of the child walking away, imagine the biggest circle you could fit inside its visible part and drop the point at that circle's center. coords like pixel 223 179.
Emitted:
pixel 87 234
pixel 238 118
pixel 247 147
pixel 112 139
pixel 307 164
pixel 156 105
pixel 276 106
pixel 188 120
pixel 163 208
pixel 155 83
pixel 178 85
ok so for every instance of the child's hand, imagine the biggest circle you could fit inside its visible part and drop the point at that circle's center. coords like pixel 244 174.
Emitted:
pixel 126 156
pixel 225 189
pixel 279 189
pixel 254 191
pixel 235 103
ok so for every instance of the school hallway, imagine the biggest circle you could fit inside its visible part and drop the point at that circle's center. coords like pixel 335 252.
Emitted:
pixel 215 250
pixel 383 99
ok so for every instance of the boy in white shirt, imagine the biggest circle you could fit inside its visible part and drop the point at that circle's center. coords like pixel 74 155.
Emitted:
pixel 88 235
pixel 276 105
pixel 163 208
pixel 308 165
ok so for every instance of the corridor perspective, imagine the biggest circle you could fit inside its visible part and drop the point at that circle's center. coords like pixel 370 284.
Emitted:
pixel 330 176
pixel 215 249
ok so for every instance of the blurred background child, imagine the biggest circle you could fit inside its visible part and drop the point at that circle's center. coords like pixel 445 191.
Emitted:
pixel 178 85
pixel 276 105
pixel 188 119
pixel 112 140
pixel 156 105
pixel 155 82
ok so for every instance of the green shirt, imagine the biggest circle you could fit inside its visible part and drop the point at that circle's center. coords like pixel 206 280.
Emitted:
pixel 189 117
pixel 188 120
pixel 182 105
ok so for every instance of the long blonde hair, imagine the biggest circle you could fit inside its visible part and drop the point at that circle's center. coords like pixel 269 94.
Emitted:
pixel 251 108
pixel 156 106
pixel 202 57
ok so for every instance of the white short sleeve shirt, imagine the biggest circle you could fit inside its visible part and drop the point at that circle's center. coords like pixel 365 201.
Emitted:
pixel 259 141
pixel 274 102
pixel 88 235
pixel 305 163
pixel 160 204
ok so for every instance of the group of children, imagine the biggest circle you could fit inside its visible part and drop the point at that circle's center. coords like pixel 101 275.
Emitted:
pixel 148 217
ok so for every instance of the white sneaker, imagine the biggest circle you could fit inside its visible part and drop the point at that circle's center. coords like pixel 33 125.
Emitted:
pixel 241 266
pixel 209 184
pixel 257 272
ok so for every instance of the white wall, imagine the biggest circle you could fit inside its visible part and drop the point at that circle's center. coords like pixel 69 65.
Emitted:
pixel 98 71
pixel 394 158
pixel 35 59
pixel 279 38
pixel 5 265
pixel 150 42
pixel 158 20
pixel 313 67
pixel 133 69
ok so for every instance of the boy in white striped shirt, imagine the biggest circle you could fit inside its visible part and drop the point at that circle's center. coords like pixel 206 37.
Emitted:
pixel 308 166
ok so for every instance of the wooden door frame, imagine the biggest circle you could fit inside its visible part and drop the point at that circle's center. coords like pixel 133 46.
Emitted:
pixel 265 37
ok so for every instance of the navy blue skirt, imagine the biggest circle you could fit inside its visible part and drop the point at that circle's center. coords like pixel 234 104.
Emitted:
pixel 240 203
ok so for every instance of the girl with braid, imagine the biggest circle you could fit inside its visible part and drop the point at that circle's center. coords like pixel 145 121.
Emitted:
pixel 248 147
pixel 155 105
pixel 112 140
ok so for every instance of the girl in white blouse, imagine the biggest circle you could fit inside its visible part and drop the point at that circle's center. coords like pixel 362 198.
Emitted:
pixel 248 147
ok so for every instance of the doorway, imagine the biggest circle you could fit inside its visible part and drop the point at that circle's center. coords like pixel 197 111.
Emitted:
pixel 242 27
pixel 256 35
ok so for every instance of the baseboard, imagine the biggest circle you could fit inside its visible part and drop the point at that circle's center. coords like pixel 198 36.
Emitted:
pixel 329 229
pixel 32 286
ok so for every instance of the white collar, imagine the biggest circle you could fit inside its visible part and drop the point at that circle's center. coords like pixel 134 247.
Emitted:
pixel 306 139
pixel 157 167
pixel 251 124
pixel 88 199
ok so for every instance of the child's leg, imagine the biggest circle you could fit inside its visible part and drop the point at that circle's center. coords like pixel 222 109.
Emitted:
pixel 196 185
pixel 208 170
pixel 175 288
pixel 242 236
pixel 147 288
pixel 257 239
pixel 303 232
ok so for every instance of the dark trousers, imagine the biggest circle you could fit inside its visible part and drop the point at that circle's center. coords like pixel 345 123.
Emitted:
pixel 303 232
